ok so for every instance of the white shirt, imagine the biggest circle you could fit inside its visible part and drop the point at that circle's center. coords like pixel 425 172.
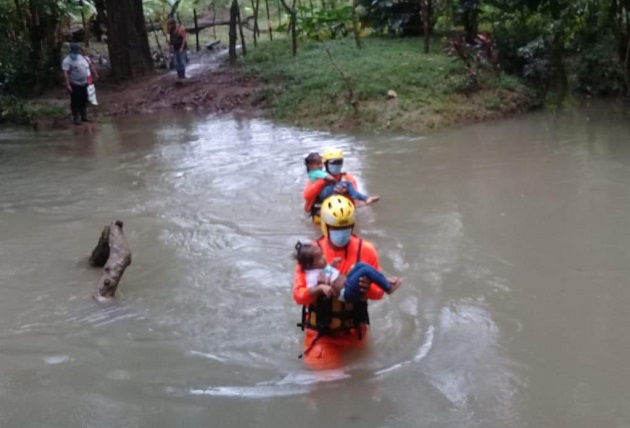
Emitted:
pixel 312 275
pixel 78 69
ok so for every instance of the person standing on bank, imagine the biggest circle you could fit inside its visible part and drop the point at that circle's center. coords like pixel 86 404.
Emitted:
pixel 178 42
pixel 76 70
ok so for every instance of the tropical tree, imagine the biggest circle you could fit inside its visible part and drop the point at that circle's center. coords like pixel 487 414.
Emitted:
pixel 127 39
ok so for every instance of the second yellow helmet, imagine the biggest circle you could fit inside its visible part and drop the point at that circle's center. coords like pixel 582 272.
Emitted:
pixel 336 211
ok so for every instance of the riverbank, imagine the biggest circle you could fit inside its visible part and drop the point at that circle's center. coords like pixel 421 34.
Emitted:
pixel 211 86
pixel 394 87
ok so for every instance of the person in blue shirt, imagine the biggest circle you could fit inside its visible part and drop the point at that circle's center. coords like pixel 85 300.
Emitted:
pixel 315 169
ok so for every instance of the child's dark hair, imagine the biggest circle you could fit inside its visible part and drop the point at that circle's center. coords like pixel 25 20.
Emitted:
pixel 312 157
pixel 304 255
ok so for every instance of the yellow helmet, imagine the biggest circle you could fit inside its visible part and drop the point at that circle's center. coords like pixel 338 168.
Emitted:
pixel 336 211
pixel 332 153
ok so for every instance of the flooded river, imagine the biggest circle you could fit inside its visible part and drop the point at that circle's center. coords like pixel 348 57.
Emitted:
pixel 512 237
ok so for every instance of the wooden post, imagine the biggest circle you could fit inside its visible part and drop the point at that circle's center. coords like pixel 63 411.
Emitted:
pixel 240 29
pixel 196 28
pixel 232 31
pixel 111 252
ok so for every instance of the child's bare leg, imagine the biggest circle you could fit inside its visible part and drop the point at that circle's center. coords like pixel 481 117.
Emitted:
pixel 372 199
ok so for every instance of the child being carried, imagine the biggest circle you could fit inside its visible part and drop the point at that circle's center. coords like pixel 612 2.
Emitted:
pixel 315 169
pixel 345 288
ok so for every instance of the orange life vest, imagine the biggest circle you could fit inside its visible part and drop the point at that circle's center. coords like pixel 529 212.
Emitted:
pixel 329 316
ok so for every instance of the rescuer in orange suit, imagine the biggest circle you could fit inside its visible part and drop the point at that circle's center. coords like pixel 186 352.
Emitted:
pixel 331 325
pixel 333 163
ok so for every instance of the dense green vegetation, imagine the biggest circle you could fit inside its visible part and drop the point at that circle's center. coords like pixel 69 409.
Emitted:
pixel 21 112
pixel 557 47
pixel 428 90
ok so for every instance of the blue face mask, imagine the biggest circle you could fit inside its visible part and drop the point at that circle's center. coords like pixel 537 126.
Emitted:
pixel 73 56
pixel 334 169
pixel 340 237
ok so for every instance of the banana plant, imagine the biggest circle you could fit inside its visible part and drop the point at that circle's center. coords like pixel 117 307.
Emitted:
pixel 160 9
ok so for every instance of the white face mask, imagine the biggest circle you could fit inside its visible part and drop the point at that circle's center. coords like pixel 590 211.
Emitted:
pixel 334 169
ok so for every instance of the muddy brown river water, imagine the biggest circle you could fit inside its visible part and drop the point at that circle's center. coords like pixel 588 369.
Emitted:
pixel 512 237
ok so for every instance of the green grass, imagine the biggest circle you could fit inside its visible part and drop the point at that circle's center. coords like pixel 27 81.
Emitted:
pixel 21 112
pixel 308 90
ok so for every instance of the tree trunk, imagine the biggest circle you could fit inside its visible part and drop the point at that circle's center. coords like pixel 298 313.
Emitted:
pixel 279 13
pixel 86 31
pixel 292 25
pixel 112 243
pixel 127 40
pixel 36 34
pixel 431 18
pixel 19 14
pixel 174 10
pixel 45 44
pixel 294 33
pixel 425 24
pixel 355 24
pixel 240 29
pixel 626 60
pixel 269 21
pixel 346 79
pixel 255 5
pixel 232 31
pixel 196 29
pixel 256 26
pixel 100 20
pixel 470 20
pixel 560 72
pixel 214 18
pixel 163 59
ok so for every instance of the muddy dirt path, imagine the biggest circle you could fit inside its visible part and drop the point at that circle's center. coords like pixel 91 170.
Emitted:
pixel 209 85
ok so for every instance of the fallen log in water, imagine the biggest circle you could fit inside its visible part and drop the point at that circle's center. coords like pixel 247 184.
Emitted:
pixel 113 254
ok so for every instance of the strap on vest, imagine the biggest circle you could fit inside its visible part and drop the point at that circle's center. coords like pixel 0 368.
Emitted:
pixel 307 350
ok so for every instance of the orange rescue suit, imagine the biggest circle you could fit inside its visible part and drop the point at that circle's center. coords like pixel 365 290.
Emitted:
pixel 326 352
